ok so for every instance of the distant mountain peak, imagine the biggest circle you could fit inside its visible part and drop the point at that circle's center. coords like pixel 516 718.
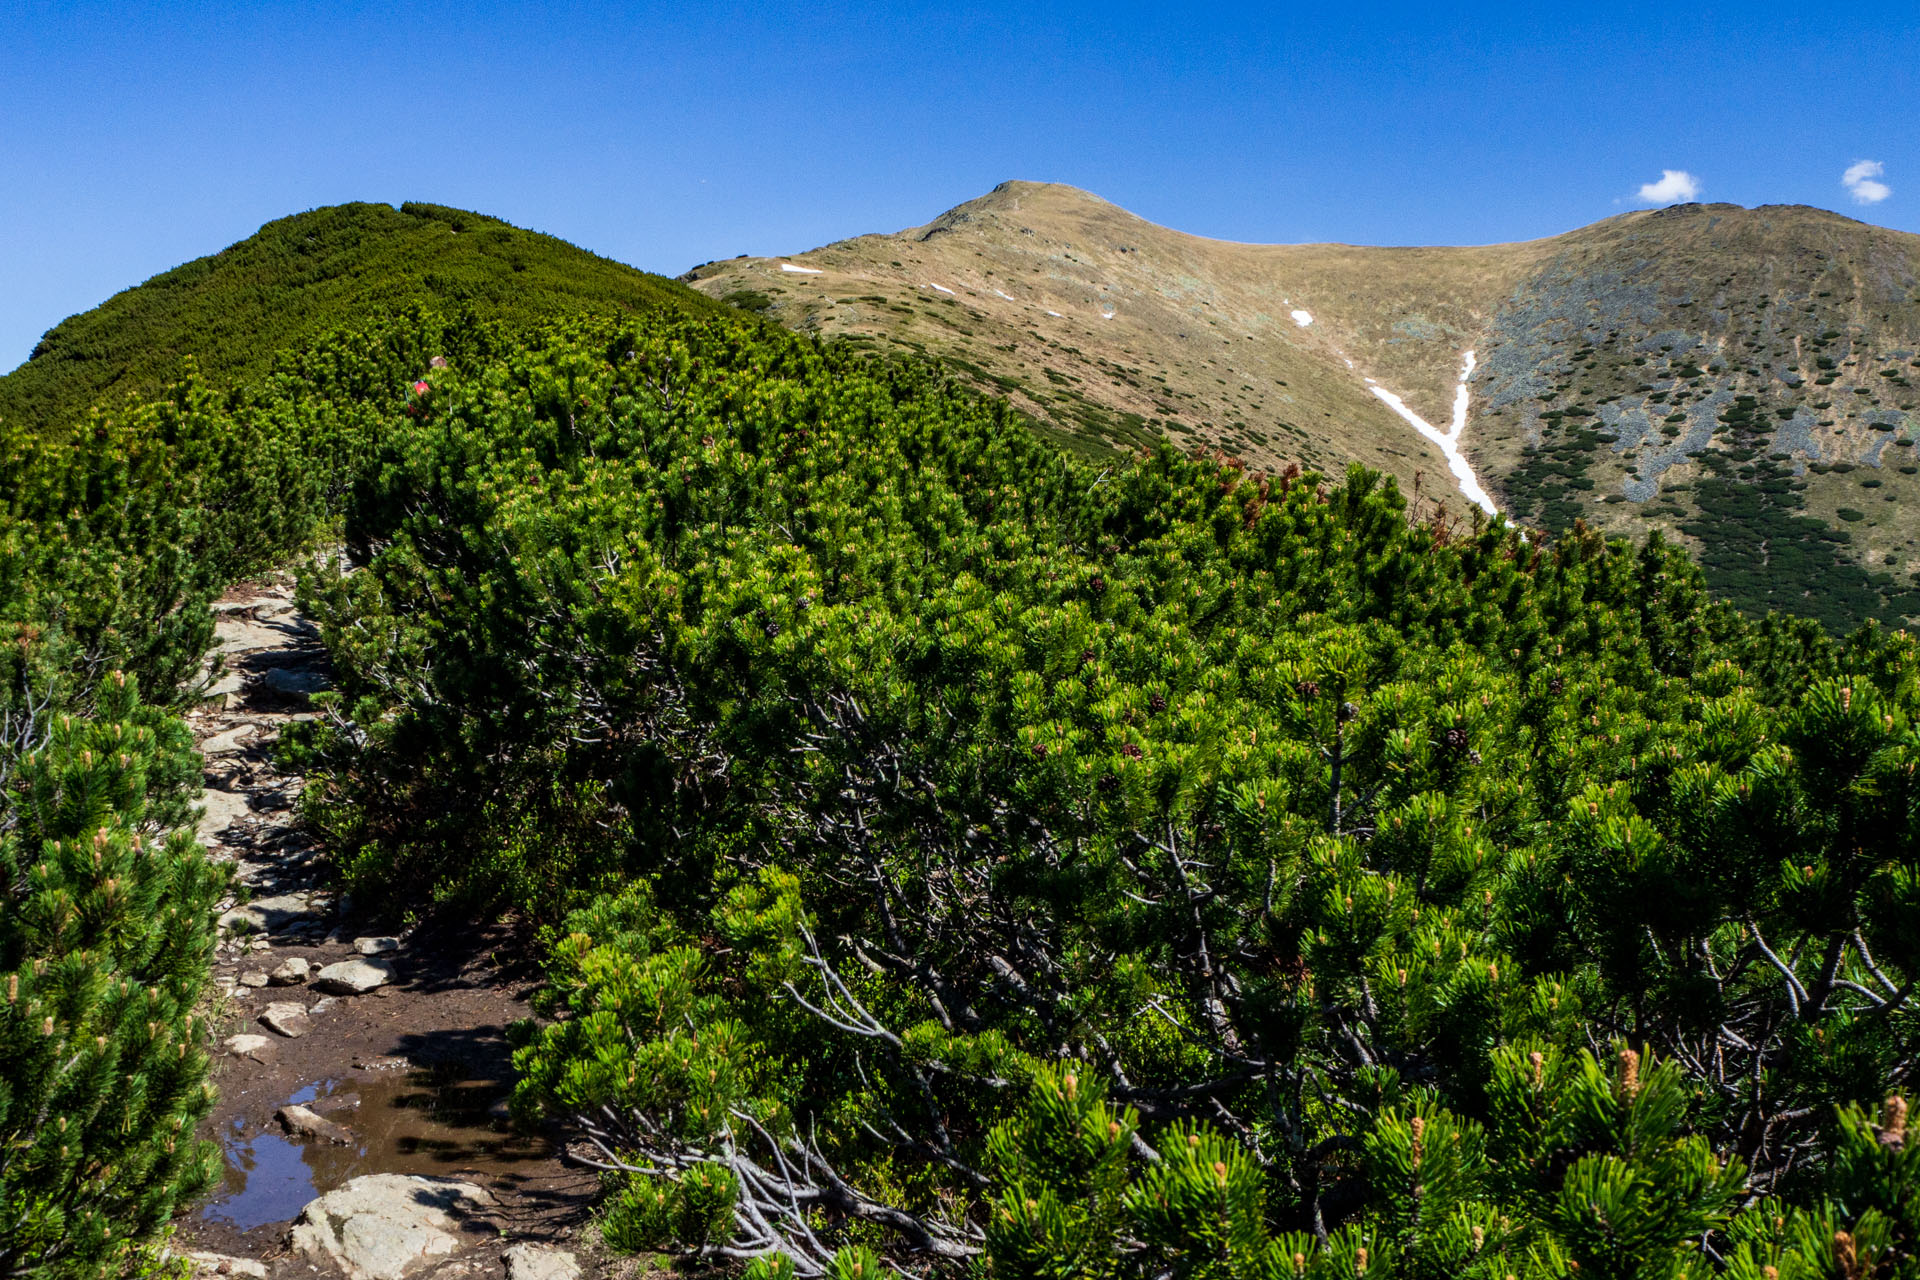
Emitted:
pixel 1707 370
pixel 1019 198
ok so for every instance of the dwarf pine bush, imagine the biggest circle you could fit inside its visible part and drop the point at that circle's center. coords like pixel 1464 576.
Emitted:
pixel 959 858
pixel 106 934
pixel 119 522
pixel 1020 867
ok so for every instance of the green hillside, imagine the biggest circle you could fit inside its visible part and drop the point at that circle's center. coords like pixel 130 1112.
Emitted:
pixel 300 277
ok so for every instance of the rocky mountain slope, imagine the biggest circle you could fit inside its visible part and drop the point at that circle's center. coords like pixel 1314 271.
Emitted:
pixel 1740 379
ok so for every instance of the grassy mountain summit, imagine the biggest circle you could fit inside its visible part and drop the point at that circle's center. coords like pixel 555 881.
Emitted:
pixel 1740 379
pixel 1109 327
pixel 303 276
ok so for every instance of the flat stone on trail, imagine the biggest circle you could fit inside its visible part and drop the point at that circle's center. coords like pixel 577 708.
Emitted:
pixel 381 1226
pixel 254 978
pixel 295 682
pixel 248 1045
pixel 537 1262
pixel 273 914
pixel 227 742
pixel 375 946
pixel 306 1124
pixel 291 973
pixel 220 1264
pixel 283 1017
pixel 221 692
pixel 354 977
pixel 223 809
pixel 237 635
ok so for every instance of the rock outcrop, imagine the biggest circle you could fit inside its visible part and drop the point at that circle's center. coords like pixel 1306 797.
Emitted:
pixel 386 1226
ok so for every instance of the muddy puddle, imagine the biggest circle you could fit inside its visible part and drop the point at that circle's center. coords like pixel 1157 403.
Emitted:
pixel 400 1122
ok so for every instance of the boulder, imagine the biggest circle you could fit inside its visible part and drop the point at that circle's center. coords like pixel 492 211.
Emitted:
pixel 291 973
pixel 375 946
pixel 286 1018
pixel 383 1226
pixel 354 977
pixel 303 1123
pixel 538 1262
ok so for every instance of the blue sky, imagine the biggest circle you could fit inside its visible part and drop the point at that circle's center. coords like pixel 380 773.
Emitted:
pixel 135 137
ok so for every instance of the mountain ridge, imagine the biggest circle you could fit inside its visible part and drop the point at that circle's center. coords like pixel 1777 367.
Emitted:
pixel 1618 364
pixel 1740 381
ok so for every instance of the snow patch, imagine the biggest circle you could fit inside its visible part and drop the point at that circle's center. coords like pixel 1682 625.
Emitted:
pixel 1302 318
pixel 1007 296
pixel 939 288
pixel 800 271
pixel 1056 315
pixel 1449 440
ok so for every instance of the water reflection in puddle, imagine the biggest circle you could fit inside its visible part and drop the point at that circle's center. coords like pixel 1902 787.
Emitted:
pixel 266 1181
pixel 400 1124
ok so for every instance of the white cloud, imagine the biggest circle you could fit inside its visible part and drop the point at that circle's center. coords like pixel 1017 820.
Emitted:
pixel 1676 186
pixel 1859 182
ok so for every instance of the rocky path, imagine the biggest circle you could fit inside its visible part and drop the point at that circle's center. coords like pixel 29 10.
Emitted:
pixel 362 1072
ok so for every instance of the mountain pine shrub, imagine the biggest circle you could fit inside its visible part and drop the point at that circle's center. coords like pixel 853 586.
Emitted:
pixel 118 526
pixel 106 934
pixel 962 858
pixel 1004 864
